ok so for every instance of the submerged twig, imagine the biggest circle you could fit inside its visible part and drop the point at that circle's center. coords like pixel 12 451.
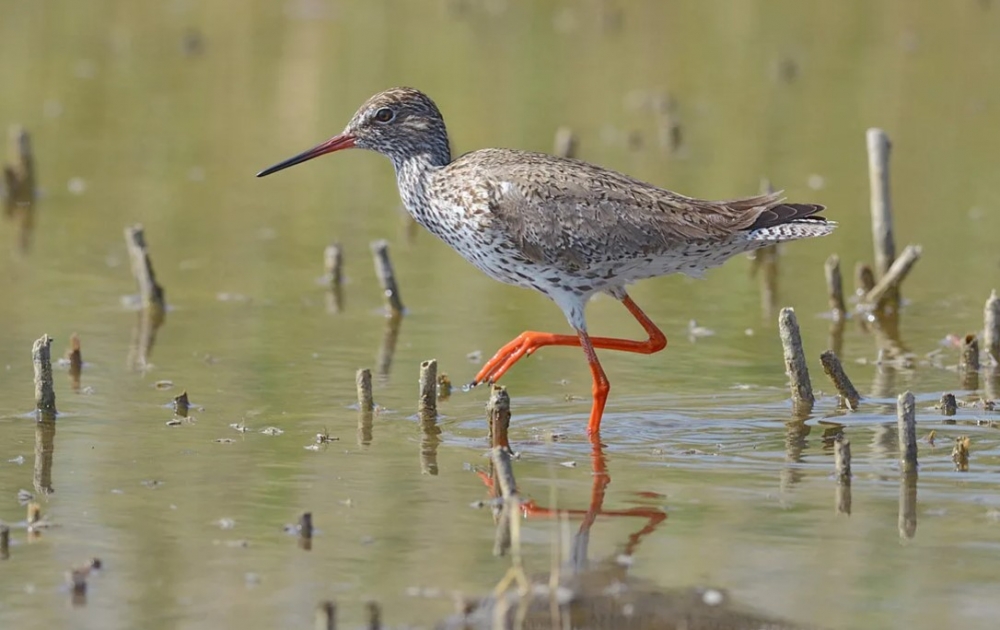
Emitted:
pixel 795 362
pixel 41 358
pixel 906 420
pixel 386 277
pixel 834 369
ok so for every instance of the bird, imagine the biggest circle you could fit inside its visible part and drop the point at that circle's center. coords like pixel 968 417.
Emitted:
pixel 566 228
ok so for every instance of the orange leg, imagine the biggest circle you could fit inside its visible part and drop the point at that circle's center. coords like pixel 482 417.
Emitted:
pixel 530 341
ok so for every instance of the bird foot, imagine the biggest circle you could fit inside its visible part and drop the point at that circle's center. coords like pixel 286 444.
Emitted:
pixel 522 346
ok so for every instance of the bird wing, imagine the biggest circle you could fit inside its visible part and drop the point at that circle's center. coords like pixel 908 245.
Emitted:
pixel 571 214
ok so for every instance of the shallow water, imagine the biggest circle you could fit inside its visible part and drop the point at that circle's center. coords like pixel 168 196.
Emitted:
pixel 161 114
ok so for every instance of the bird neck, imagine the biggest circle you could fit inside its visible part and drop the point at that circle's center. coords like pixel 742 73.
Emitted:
pixel 412 175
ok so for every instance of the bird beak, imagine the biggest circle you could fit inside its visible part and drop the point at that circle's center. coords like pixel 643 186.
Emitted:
pixel 336 143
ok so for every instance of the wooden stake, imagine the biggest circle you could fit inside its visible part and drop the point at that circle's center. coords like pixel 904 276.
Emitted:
pixel 795 362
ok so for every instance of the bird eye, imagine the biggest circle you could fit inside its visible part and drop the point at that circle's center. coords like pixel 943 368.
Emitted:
pixel 384 115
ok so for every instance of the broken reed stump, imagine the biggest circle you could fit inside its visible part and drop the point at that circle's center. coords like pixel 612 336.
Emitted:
pixel 444 387
pixel 427 404
pixel 970 354
pixel 333 263
pixel 366 406
pixel 834 369
pixel 835 286
pixel 305 531
pixel 948 404
pixel 498 416
pixel 906 421
pixel 326 616
pixel 19 172
pixel 968 366
pixel 960 453
pixel 668 125
pixel 75 359
pixel 991 328
pixel 795 362
pixel 4 542
pixel 363 379
pixel 565 144
pixel 879 149
pixel 864 279
pixel 887 287
pixel 386 277
pixel 45 395
pixel 150 291
pixel 19 181
pixel 182 405
pixel 374 615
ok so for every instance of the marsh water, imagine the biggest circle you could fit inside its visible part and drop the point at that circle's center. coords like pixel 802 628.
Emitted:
pixel 161 114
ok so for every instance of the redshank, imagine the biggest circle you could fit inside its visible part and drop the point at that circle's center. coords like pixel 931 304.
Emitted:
pixel 563 227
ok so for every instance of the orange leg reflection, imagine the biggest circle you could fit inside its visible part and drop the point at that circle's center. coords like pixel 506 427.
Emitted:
pixel 602 478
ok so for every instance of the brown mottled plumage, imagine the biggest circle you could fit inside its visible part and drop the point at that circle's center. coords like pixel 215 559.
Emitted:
pixel 566 228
